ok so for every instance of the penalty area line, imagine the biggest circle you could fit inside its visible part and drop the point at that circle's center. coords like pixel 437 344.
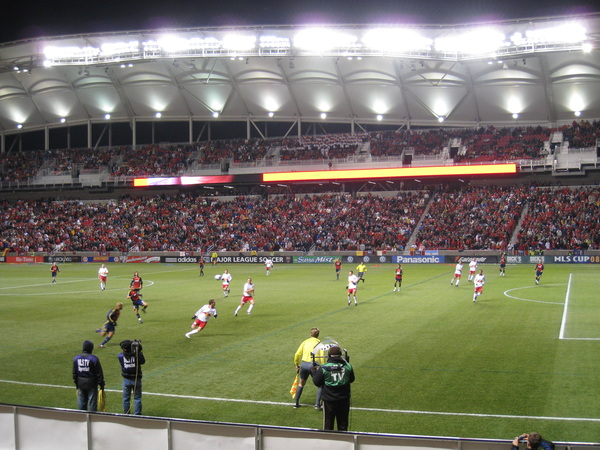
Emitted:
pixel 286 404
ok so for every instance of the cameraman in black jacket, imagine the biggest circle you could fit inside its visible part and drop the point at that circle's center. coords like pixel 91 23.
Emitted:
pixel 131 360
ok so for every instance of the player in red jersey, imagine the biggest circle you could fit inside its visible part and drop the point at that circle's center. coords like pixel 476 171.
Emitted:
pixel 54 271
pixel 338 267
pixel 137 301
pixel 539 270
pixel 136 282
pixel 398 277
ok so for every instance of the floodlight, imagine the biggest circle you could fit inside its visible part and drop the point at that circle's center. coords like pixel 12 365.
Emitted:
pixel 379 117
pixel 515 116
pixel 441 119
pixel 577 113
pixel 586 47
pixel 107 116
pixel 323 39
pixel 271 114
pixel 215 114
pixel 63 120
pixel 19 126
pixel 158 115
pixel 323 115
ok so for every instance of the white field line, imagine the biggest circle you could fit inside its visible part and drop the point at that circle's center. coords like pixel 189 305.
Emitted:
pixel 563 322
pixel 286 404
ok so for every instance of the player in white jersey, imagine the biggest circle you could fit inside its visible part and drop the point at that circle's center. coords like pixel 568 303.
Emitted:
pixel 457 274
pixel 268 265
pixel 352 286
pixel 102 276
pixel 247 297
pixel 478 282
pixel 225 281
pixel 201 318
pixel 472 269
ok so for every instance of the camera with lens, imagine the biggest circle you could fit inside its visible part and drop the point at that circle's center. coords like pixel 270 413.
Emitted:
pixel 136 346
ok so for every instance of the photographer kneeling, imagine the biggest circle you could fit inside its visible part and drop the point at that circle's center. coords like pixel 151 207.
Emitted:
pixel 533 441
pixel 131 360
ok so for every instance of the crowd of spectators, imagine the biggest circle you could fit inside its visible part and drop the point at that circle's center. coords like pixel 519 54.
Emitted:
pixel 565 218
pixel 170 160
pixel 187 223
pixel 477 218
pixel 468 219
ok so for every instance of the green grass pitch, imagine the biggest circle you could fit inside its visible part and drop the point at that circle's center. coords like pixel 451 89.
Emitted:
pixel 427 359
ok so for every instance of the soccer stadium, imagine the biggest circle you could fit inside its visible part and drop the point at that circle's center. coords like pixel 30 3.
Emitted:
pixel 453 168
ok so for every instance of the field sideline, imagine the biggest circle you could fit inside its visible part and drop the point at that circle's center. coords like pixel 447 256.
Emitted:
pixel 428 360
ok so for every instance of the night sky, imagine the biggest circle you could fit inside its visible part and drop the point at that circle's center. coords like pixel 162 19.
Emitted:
pixel 37 19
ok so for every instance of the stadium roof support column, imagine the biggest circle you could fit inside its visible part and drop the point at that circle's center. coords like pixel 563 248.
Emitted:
pixel 2 143
pixel 133 132
pixel 248 128
pixel 89 134
pixel 46 138
pixel 299 127
pixel 190 130
pixel 352 126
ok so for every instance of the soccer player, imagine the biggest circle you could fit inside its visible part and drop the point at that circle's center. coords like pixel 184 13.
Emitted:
pixel 201 265
pixel 137 301
pixel 503 265
pixel 225 281
pixel 201 318
pixel 352 286
pixel 539 270
pixel 457 274
pixel 268 265
pixel 102 276
pixel 136 282
pixel 478 282
pixel 54 271
pixel 398 278
pixel 472 269
pixel 338 267
pixel 361 269
pixel 247 297
pixel 108 329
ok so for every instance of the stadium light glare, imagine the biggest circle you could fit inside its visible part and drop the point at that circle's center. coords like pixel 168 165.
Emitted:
pixel 323 115
pixel 63 120
pixel 577 113
pixel 239 42
pixel 475 42
pixel 19 126
pixel 158 115
pixel 107 116
pixel 215 114
pixel 515 116
pixel 392 40
pixel 274 42
pixel 587 47
pixel 323 39
pixel 379 117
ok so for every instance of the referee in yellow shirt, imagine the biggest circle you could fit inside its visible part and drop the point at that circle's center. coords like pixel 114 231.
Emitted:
pixel 304 363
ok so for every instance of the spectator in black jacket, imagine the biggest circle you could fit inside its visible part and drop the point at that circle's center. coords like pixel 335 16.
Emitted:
pixel 88 376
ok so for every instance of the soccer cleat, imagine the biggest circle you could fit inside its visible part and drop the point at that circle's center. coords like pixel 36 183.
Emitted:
pixel 235 314
pixel 144 309
pixel 349 302
pixel 186 335
pixel 318 407
pixel 101 346
pixel 296 406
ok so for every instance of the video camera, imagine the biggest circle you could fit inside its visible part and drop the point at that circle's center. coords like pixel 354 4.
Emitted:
pixel 320 353
pixel 136 346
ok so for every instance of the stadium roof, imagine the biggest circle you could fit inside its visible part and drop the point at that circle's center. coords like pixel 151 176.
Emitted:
pixel 543 70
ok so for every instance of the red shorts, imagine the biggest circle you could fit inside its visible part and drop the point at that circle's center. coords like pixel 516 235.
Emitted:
pixel 479 290
pixel 247 299
pixel 351 291
pixel 103 279
pixel 225 286
pixel 199 323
